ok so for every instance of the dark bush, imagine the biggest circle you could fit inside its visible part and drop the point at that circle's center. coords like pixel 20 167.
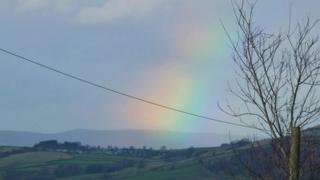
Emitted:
pixel 95 168
pixel 67 170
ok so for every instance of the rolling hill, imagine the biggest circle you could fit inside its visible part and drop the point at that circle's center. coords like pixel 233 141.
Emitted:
pixel 120 138
pixel 131 163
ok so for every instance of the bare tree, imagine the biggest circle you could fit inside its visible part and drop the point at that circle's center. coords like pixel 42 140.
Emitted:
pixel 277 82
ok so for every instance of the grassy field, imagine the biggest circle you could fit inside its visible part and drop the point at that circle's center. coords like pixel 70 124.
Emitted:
pixel 31 159
pixel 68 166
pixel 71 161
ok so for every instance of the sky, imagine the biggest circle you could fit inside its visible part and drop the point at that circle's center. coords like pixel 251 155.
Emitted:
pixel 173 52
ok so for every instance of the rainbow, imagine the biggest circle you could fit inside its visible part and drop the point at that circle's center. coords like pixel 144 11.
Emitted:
pixel 193 83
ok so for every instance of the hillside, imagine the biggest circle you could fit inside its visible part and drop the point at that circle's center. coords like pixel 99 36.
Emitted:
pixel 172 164
pixel 120 138
pixel 47 162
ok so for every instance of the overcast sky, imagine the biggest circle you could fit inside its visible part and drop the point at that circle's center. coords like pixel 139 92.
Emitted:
pixel 173 52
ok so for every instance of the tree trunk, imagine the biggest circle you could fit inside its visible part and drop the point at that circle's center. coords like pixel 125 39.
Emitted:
pixel 294 156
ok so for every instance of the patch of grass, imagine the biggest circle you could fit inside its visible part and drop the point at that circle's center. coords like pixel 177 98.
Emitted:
pixel 31 159
pixel 182 171
pixel 87 159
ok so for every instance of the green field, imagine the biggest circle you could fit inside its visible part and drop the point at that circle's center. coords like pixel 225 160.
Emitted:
pixel 68 166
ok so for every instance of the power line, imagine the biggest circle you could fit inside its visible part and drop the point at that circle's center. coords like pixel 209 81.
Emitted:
pixel 122 93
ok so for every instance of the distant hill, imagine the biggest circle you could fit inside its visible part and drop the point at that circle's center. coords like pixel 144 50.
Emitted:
pixel 313 133
pixel 120 138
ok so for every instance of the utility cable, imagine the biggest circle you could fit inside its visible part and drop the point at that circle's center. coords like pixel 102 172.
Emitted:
pixel 122 93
